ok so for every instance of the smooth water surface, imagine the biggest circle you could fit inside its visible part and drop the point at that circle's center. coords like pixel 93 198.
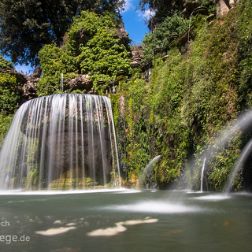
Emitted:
pixel 126 220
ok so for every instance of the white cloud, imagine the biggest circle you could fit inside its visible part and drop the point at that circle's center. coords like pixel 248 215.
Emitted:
pixel 128 5
pixel 146 14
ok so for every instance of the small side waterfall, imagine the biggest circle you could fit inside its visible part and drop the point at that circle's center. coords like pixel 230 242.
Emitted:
pixel 239 126
pixel 202 175
pixel 147 171
pixel 61 142
pixel 238 166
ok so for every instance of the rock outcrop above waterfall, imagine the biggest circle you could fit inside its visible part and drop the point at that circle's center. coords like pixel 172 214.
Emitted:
pixel 137 56
pixel 81 82
pixel 29 89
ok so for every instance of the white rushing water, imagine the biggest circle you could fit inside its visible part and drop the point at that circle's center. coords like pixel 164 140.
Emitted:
pixel 202 175
pixel 238 166
pixel 241 124
pixel 147 171
pixel 61 142
pixel 236 127
pixel 156 206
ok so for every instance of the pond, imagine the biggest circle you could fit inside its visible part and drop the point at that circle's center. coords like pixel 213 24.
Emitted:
pixel 125 220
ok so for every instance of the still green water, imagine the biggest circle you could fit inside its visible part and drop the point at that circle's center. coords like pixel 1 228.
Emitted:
pixel 127 221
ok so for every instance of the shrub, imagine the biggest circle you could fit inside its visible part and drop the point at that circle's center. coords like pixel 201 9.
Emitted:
pixel 92 47
pixel 164 36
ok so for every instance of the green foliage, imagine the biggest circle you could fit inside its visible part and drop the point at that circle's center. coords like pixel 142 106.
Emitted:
pixel 103 55
pixel 54 61
pixel 190 97
pixel 212 64
pixel 92 47
pixel 152 122
pixel 5 121
pixel 244 27
pixel 165 8
pixel 26 26
pixel 222 165
pixel 133 136
pixel 9 101
pixel 4 64
pixel 86 26
pixel 164 36
pixel 9 93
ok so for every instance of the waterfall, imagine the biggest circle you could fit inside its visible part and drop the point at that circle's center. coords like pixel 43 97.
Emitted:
pixel 237 126
pixel 147 171
pixel 59 142
pixel 241 124
pixel 238 166
pixel 202 175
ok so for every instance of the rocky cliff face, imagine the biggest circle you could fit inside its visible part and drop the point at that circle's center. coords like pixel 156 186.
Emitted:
pixel 137 56
pixel 29 87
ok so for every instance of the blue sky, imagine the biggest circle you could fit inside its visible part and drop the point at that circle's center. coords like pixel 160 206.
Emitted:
pixel 135 22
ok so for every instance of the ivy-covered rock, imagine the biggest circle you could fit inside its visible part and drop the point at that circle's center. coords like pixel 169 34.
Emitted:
pixel 190 97
pixel 164 36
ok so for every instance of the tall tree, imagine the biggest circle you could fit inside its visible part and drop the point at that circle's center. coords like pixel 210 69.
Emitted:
pixel 164 8
pixel 27 25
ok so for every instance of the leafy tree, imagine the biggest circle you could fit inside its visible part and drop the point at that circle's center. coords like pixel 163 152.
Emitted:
pixel 5 121
pixel 164 8
pixel 94 46
pixel 27 25
pixel 164 36
pixel 104 53
pixel 54 61
pixel 10 95
pixel 189 98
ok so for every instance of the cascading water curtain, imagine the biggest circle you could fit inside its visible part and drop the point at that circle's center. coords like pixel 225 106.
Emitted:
pixel 59 142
